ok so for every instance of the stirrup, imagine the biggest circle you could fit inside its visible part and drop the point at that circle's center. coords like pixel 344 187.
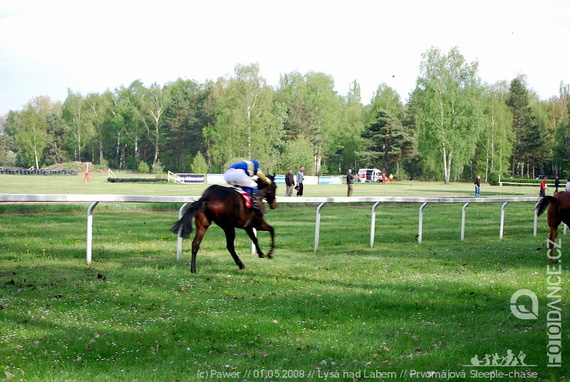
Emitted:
pixel 254 205
pixel 255 208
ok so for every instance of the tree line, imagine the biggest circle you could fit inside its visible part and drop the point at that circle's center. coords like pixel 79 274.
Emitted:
pixel 453 125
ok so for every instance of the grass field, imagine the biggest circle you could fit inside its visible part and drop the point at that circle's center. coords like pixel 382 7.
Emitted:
pixel 398 311
pixel 37 184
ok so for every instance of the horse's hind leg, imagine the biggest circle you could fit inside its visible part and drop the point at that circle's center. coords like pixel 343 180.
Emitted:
pixel 551 243
pixel 230 237
pixel 554 221
pixel 202 224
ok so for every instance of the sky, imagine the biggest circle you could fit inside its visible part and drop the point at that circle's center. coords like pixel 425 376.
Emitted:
pixel 50 46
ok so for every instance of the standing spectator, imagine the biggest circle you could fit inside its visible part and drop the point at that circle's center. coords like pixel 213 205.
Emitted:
pixel 556 184
pixel 477 183
pixel 349 182
pixel 289 182
pixel 391 178
pixel 568 185
pixel 543 186
pixel 300 178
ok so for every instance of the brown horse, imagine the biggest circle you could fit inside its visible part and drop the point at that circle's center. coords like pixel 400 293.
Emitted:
pixel 225 207
pixel 558 212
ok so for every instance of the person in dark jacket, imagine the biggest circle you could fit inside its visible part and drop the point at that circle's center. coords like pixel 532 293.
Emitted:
pixel 477 183
pixel 349 182
pixel 289 182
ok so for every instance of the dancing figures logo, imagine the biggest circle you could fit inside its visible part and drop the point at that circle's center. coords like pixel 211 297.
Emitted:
pixel 510 359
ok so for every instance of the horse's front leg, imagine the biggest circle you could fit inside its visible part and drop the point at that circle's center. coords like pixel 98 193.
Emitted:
pixel 255 241
pixel 272 234
pixel 230 238
pixel 263 226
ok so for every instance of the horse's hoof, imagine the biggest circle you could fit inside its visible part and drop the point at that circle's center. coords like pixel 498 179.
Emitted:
pixel 261 255
pixel 242 266
pixel 270 255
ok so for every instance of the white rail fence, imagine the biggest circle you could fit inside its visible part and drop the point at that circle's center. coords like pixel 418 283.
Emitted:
pixel 320 201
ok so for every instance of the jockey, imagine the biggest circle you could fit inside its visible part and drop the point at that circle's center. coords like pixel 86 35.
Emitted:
pixel 241 173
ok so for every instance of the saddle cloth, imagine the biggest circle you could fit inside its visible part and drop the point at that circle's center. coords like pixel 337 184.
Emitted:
pixel 245 195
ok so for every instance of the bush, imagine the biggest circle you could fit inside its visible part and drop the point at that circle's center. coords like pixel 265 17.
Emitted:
pixel 199 164
pixel 157 168
pixel 144 167
pixel 494 178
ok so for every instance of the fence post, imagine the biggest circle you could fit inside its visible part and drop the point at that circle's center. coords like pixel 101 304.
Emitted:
pixel 318 226
pixel 89 254
pixel 179 239
pixel 373 224
pixel 421 222
pixel 463 209
pixel 535 230
pixel 502 223
pixel 253 251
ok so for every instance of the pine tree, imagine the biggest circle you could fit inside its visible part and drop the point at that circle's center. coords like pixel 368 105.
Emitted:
pixel 386 141
pixel 519 104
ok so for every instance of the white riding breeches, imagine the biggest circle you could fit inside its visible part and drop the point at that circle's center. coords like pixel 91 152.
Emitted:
pixel 238 177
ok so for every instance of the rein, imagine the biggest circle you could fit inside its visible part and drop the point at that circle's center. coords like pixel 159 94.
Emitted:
pixel 248 220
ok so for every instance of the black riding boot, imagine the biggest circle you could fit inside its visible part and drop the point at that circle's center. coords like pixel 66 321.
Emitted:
pixel 254 206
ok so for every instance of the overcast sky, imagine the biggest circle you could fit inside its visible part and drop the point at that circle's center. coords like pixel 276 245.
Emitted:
pixel 88 46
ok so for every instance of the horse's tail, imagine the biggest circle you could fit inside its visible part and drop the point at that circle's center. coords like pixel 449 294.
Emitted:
pixel 184 225
pixel 543 203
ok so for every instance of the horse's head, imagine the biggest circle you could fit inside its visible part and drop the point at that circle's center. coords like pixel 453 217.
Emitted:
pixel 268 191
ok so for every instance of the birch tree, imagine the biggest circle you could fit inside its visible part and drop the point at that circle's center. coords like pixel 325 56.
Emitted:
pixel 449 111
pixel 496 144
pixel 80 127
pixel 247 124
pixel 29 129
pixel 126 127
pixel 150 104
pixel 316 112
pixel 97 106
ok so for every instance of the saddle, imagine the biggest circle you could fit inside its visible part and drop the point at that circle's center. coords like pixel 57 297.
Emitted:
pixel 246 197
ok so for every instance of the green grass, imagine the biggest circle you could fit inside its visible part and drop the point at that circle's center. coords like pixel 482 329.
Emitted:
pixel 138 314
pixel 37 184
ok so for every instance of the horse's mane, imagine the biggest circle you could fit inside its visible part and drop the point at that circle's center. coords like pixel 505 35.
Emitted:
pixel 261 184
